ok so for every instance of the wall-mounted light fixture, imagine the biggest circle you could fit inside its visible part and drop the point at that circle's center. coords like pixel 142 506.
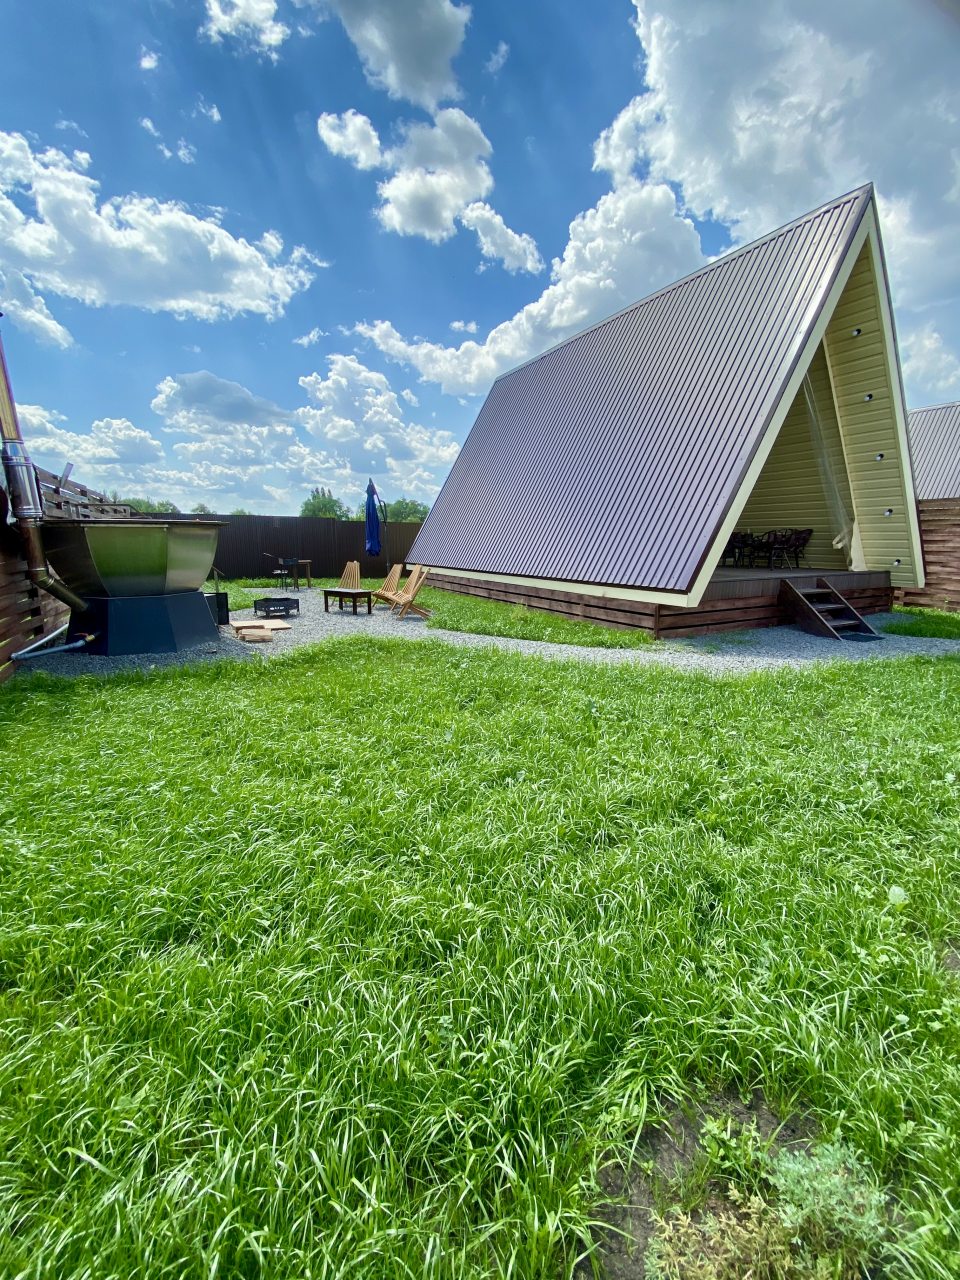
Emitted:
pixel 878 457
pixel 889 511
pixel 856 333
pixel 868 396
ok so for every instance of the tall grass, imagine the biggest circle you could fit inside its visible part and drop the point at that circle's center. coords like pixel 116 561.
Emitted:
pixel 925 622
pixel 353 964
pixel 452 612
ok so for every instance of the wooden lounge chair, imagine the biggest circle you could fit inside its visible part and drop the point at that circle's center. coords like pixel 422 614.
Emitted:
pixel 392 597
pixel 350 578
pixel 403 601
pixel 390 585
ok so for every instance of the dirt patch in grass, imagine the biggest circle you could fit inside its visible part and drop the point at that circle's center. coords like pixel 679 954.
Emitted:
pixel 675 1165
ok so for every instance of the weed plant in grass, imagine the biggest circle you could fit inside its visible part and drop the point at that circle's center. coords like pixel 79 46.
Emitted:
pixel 925 622
pixel 305 975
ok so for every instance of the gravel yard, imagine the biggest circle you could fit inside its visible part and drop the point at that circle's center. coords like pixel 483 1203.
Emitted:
pixel 726 653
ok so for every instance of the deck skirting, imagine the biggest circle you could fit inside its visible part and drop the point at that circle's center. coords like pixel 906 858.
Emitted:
pixel 743 602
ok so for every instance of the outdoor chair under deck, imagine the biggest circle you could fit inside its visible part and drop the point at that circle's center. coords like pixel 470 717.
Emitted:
pixel 775 548
pixel 737 549
pixel 771 550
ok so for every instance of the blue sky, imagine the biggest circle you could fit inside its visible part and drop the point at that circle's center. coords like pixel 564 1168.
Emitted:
pixel 252 246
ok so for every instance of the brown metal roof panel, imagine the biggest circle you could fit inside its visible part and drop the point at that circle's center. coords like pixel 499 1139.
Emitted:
pixel 612 457
pixel 935 449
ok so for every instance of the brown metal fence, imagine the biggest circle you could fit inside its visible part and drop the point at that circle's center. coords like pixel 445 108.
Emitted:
pixel 247 542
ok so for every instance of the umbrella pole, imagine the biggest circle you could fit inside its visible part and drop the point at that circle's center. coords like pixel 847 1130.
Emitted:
pixel 383 521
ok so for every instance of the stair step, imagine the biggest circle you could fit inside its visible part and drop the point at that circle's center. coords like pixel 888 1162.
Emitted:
pixel 829 608
pixel 844 624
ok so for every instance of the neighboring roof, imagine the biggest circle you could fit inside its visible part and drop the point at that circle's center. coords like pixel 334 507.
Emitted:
pixel 935 447
pixel 613 457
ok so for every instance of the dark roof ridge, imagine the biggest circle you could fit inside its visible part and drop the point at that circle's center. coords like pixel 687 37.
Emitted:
pixel 865 191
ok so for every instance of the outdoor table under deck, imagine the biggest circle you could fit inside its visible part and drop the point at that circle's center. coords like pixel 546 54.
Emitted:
pixel 347 593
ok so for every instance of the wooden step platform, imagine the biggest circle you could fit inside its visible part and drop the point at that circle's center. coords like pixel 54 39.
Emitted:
pixel 822 611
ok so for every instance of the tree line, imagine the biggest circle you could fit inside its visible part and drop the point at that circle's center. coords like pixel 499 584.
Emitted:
pixel 321 502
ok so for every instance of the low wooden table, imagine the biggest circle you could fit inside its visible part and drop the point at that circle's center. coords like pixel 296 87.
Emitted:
pixel 347 593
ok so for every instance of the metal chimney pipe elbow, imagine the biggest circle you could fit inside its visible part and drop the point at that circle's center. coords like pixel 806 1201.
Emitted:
pixel 26 502
pixel 37 570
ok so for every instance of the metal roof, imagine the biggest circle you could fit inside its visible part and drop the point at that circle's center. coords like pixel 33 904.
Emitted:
pixel 613 457
pixel 935 449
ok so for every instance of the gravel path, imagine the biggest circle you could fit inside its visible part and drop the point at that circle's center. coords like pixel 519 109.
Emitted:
pixel 726 653
pixel 91 664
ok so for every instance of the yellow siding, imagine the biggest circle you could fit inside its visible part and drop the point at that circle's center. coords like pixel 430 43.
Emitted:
pixel 789 492
pixel 859 367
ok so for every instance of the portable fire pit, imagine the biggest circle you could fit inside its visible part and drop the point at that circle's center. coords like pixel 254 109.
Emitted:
pixel 276 607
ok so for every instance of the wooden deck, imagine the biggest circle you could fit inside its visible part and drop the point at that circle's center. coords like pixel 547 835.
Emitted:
pixel 740 598
pixel 735 599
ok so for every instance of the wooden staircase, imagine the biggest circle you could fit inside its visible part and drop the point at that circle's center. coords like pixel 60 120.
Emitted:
pixel 823 611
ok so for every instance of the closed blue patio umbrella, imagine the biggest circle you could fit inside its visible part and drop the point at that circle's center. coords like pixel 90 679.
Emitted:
pixel 372 520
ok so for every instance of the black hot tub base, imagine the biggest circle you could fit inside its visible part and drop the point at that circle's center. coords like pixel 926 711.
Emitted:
pixel 145 624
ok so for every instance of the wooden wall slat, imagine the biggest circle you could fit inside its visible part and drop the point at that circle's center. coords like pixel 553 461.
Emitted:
pixel 25 612
pixel 940 535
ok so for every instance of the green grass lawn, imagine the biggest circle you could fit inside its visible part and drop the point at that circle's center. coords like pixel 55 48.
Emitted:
pixel 357 963
pixel 452 612
pixel 925 622
pixel 242 592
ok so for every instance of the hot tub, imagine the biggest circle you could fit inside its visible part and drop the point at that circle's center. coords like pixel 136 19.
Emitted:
pixel 140 580
pixel 131 557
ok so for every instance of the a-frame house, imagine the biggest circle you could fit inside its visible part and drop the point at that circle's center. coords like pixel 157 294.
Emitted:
pixel 631 473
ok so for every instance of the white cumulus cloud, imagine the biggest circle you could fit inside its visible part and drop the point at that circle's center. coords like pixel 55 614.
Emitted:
pixel 252 22
pixel 930 370
pixel 352 136
pixel 149 59
pixel 438 174
pixel 516 252
pixel 312 338
pixel 438 170
pixel 759 112
pixel 497 59
pixel 59 236
pixel 208 109
pixel 220 443
pixel 113 441
pixel 406 46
